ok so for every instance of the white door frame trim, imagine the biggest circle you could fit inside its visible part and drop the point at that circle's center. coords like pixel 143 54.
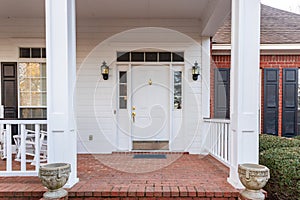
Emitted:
pixel 130 65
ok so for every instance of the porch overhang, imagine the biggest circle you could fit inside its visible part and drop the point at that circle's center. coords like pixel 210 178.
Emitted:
pixel 210 13
pixel 60 35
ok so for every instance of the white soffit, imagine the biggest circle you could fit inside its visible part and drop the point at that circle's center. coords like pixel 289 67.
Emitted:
pixel 110 8
pixel 210 12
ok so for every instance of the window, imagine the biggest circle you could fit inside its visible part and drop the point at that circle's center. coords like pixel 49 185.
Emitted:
pixel 35 52
pixel 177 90
pixel 32 88
pixel 150 56
pixel 137 57
pixel 123 90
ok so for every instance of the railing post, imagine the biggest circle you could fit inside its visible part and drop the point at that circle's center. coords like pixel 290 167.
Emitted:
pixel 8 148
pixel 37 146
pixel 23 147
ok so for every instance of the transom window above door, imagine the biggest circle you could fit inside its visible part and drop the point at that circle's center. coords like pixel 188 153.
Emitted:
pixel 150 56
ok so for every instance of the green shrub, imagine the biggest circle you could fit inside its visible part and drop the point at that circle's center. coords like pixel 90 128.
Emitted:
pixel 284 165
pixel 297 137
pixel 269 142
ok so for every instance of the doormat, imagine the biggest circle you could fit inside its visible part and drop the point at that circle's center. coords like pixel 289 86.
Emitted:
pixel 150 156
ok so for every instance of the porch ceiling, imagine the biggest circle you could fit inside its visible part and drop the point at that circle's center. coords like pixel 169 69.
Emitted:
pixel 210 12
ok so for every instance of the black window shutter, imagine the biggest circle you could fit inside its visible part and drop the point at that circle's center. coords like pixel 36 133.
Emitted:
pixel 271 80
pixel 222 93
pixel 289 102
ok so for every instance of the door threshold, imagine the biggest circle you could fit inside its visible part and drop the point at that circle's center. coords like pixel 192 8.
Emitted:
pixel 149 145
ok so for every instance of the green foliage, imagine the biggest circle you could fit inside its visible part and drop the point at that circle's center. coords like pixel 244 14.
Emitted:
pixel 270 142
pixel 282 157
pixel 297 137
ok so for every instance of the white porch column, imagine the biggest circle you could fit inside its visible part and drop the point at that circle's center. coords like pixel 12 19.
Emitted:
pixel 205 76
pixel 61 77
pixel 244 86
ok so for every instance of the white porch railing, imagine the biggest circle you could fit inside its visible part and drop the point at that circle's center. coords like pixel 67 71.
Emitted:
pixel 29 146
pixel 218 139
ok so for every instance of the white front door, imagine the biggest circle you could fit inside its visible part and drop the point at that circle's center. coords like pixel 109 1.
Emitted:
pixel 150 100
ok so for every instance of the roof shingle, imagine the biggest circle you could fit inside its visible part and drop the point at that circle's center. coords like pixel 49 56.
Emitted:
pixel 277 27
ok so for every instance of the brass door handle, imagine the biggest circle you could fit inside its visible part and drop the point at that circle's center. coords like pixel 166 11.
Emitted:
pixel 133 116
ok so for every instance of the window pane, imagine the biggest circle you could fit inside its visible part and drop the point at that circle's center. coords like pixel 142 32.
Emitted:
pixel 177 90
pixel 151 56
pixel 25 84
pixel 36 99
pixel 177 77
pixel 43 52
pixel 137 56
pixel 37 113
pixel 43 84
pixel 123 103
pixel 35 84
pixel 34 69
pixel 178 57
pixel 43 70
pixel 25 99
pixel 123 77
pixel 25 113
pixel 123 90
pixel 164 56
pixel 123 56
pixel 24 52
pixel 35 52
pixel 44 98
pixel 23 70
pixel 177 103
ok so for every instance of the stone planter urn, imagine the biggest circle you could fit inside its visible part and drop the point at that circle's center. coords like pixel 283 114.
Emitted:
pixel 254 177
pixel 54 176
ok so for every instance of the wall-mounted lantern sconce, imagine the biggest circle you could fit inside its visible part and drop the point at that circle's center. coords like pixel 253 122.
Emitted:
pixel 104 70
pixel 195 71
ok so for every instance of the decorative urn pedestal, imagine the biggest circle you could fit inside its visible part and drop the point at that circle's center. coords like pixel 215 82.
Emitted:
pixel 54 176
pixel 254 177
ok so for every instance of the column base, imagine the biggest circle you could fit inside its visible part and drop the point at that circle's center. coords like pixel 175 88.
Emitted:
pixel 233 178
pixel 71 182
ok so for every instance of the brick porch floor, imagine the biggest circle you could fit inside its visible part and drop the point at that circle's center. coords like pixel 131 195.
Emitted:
pixel 120 176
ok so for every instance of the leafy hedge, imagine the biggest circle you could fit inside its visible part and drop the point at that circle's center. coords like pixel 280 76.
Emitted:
pixel 297 137
pixel 282 157
pixel 269 142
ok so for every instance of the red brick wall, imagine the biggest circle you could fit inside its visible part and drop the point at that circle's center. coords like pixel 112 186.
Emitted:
pixel 266 61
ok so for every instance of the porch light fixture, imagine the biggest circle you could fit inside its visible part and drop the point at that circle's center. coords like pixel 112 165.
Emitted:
pixel 104 70
pixel 195 71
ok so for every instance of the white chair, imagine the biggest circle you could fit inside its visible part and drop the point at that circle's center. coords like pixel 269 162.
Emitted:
pixel 30 146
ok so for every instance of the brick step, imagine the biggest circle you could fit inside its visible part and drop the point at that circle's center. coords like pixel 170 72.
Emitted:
pixel 129 195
